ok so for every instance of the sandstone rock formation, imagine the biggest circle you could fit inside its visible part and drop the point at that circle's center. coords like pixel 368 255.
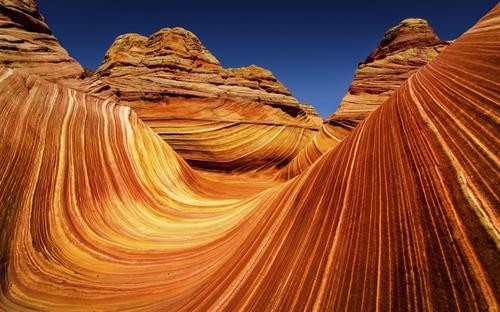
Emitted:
pixel 215 118
pixel 98 213
pixel 404 49
pixel 27 44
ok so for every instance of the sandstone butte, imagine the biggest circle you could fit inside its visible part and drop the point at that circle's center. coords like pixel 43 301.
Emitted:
pixel 98 212
pixel 240 119
pixel 403 50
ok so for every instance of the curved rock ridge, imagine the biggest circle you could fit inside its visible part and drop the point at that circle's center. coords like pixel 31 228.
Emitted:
pixel 326 139
pixel 404 49
pixel 217 119
pixel 401 215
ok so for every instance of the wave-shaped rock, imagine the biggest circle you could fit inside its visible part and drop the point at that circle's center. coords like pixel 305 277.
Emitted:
pixel 97 212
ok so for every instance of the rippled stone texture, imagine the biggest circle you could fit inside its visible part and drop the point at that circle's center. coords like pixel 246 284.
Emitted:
pixel 401 215
pixel 240 119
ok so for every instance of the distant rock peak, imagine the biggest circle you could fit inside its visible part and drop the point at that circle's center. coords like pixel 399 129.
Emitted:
pixel 177 51
pixel 169 48
pixel 409 33
pixel 404 49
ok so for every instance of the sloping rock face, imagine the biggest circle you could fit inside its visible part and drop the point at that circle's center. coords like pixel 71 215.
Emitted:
pixel 26 43
pixel 215 118
pixel 98 213
pixel 404 49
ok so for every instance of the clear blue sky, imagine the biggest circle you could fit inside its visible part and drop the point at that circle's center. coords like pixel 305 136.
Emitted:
pixel 313 47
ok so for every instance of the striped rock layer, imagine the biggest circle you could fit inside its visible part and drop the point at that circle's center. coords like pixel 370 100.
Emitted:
pixel 239 119
pixel 404 49
pixel 98 213
pixel 27 44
